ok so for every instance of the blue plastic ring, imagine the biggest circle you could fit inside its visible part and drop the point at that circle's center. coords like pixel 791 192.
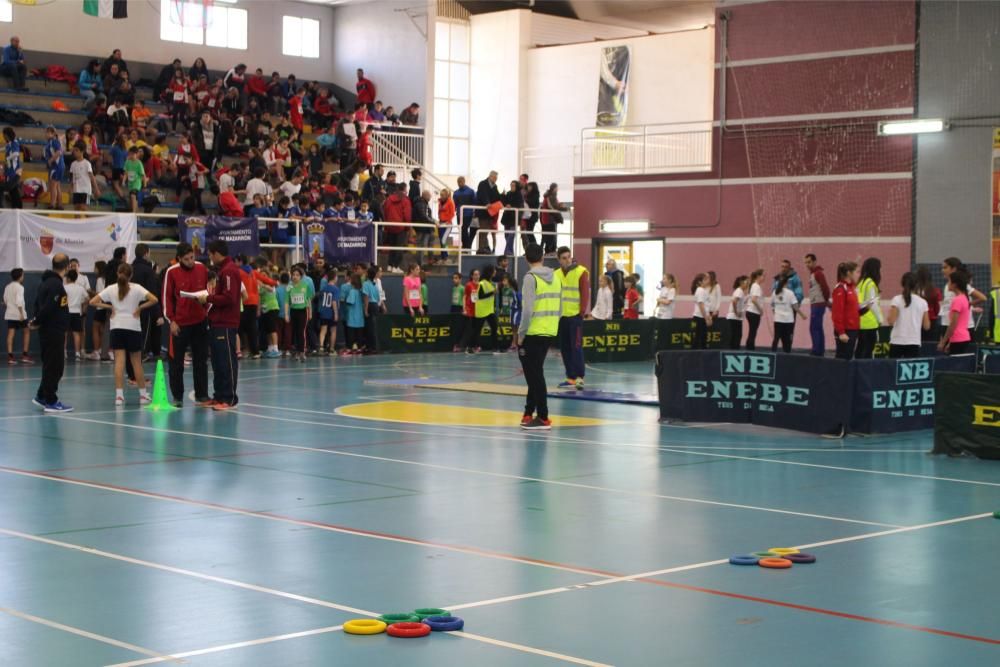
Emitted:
pixel 743 560
pixel 800 558
pixel 444 623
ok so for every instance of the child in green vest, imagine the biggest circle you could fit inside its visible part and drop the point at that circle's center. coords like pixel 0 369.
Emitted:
pixel 457 293
pixel 135 177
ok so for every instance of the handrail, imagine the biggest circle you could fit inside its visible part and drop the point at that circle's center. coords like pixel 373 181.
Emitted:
pixel 674 147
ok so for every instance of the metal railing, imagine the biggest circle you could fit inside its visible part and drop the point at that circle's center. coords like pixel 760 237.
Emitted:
pixel 646 149
pixel 558 164
pixel 400 149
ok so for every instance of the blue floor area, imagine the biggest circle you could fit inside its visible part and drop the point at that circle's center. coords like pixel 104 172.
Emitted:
pixel 129 537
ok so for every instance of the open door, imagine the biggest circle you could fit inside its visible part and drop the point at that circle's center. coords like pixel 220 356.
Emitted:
pixel 644 257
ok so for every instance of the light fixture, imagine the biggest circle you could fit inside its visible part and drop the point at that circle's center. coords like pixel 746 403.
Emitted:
pixel 916 126
pixel 624 226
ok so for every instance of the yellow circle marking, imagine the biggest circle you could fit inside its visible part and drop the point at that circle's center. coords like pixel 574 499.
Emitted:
pixel 411 412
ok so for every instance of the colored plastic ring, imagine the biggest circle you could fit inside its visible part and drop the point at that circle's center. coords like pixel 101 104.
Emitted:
pixel 408 630
pixel 775 563
pixel 764 554
pixel 801 558
pixel 444 623
pixel 783 551
pixel 743 560
pixel 431 611
pixel 389 619
pixel 364 626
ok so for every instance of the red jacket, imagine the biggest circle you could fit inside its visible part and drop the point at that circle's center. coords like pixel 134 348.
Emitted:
pixel 180 309
pixel 225 310
pixel 250 283
pixel 845 312
pixel 470 289
pixel 366 91
pixel 295 112
pixel 257 85
pixel 230 204
pixel 397 208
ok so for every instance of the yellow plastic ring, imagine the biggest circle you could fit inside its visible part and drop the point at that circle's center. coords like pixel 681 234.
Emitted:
pixel 783 550
pixel 364 626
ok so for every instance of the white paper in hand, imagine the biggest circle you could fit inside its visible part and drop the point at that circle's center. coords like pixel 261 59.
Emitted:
pixel 194 295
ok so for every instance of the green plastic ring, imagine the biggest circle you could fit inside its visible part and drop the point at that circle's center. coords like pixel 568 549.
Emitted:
pixel 430 611
pixel 389 619
pixel 996 515
pixel 765 554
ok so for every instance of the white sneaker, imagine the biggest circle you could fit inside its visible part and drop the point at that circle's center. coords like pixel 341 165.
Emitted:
pixel 145 399
pixel 119 401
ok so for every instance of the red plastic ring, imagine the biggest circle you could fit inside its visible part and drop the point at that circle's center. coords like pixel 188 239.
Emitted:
pixel 408 630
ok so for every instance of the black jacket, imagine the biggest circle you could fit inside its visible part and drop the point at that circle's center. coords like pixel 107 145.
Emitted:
pixel 51 305
pixel 143 273
pixel 486 194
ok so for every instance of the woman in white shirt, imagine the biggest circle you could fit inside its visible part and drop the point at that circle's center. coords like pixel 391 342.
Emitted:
pixel 908 315
pixel 702 315
pixel 126 300
pixel 603 306
pixel 666 298
pixel 755 307
pixel 714 295
pixel 737 307
pixel 786 307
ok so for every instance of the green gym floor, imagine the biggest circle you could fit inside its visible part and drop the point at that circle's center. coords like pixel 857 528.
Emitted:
pixel 131 537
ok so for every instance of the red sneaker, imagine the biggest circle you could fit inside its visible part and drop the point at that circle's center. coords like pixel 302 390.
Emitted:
pixel 526 419
pixel 222 407
pixel 210 403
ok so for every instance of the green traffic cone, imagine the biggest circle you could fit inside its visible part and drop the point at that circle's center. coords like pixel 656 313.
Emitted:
pixel 161 403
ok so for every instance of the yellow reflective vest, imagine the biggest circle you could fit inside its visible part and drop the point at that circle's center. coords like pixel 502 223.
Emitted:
pixel 866 290
pixel 570 283
pixel 486 305
pixel 545 317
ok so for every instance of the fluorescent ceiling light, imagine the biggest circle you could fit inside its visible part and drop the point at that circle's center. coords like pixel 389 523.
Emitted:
pixel 624 226
pixel 916 126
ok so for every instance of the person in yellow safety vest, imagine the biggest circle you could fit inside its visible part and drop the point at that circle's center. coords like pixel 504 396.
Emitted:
pixel 869 301
pixel 995 300
pixel 541 308
pixel 575 284
pixel 485 313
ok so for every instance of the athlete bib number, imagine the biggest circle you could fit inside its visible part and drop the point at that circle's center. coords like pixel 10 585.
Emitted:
pixel 414 295
pixel 178 97
pixel 298 299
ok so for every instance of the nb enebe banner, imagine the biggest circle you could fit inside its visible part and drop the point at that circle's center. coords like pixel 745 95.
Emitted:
pixel 898 395
pixel 433 333
pixel 29 240
pixel 787 391
pixel 618 340
pixel 967 415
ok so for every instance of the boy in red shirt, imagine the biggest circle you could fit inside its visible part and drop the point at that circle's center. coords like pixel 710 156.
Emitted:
pixel 632 297
pixel 469 311
pixel 295 110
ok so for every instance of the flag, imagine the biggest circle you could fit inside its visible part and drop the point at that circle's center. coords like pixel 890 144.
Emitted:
pixel 106 9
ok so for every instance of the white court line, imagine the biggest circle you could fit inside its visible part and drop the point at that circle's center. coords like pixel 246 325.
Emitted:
pixel 157 657
pixel 95 412
pixel 520 478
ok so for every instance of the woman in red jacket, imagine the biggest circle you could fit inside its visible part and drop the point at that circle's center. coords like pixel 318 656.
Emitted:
pixel 845 312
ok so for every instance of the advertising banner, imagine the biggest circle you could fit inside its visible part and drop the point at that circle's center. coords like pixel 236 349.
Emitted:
pixel 989 359
pixel 340 242
pixel 612 92
pixel 678 334
pixel 799 392
pixel 239 233
pixel 995 205
pixel 430 333
pixel 895 395
pixel 39 237
pixel 967 415
pixel 618 340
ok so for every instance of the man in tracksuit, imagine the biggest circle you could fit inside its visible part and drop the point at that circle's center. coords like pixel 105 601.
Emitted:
pixel 224 322
pixel 574 281
pixel 819 298
pixel 188 326
pixel 540 312
pixel 52 322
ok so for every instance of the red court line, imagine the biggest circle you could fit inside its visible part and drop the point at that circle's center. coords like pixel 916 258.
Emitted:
pixel 516 558
pixel 820 610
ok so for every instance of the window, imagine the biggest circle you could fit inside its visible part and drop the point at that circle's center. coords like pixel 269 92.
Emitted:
pixel 451 98
pixel 196 23
pixel 300 37
pixel 6 11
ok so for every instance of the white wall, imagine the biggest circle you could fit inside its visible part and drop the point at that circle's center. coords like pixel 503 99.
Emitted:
pixel 387 45
pixel 497 128
pixel 671 80
pixel 62 27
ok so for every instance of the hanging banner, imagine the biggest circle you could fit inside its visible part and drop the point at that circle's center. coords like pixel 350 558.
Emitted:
pixel 39 237
pixel 340 242
pixel 995 207
pixel 967 415
pixel 612 92
pixel 239 233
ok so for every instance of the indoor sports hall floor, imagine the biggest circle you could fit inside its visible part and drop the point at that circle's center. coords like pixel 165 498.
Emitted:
pixel 130 537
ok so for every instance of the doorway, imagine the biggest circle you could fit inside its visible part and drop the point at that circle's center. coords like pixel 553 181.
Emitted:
pixel 644 257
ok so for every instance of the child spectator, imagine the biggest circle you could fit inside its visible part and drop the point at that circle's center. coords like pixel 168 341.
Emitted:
pixel 76 301
pixel 666 298
pixel 737 308
pixel 329 315
pixel 285 329
pixel 140 115
pixel 425 292
pixel 299 312
pixel 413 302
pixel 484 312
pixel 632 298
pixel 603 305
pixel 457 293
pixel 354 303
pixel 84 183
pixel 56 167
pixel 373 298
pixel 119 154
pixel 365 215
pixel 16 317
pixel 178 92
pixel 135 177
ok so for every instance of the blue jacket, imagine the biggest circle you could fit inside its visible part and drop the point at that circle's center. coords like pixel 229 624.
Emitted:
pixel 794 284
pixel 465 196
pixel 11 56
pixel 88 80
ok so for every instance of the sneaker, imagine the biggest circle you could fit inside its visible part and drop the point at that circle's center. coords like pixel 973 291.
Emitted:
pixel 148 358
pixel 79 356
pixel 58 407
pixel 26 359
pixel 537 424
pixel 145 399
pixel 11 361
pixel 94 356
pixel 38 402
pixel 207 403
pixel 302 358
pixel 255 356
pixel 132 383
pixel 526 419
pixel 177 404
pixel 119 401
pixel 273 354
pixel 470 351
pixel 222 407
pixel 106 360
pixel 499 352
pixel 579 384
pixel 456 349
pixel 567 384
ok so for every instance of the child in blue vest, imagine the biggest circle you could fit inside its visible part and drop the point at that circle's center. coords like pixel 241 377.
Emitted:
pixel 329 311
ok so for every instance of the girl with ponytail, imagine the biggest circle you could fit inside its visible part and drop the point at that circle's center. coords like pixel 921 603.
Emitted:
pixel 126 300
pixel 908 315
